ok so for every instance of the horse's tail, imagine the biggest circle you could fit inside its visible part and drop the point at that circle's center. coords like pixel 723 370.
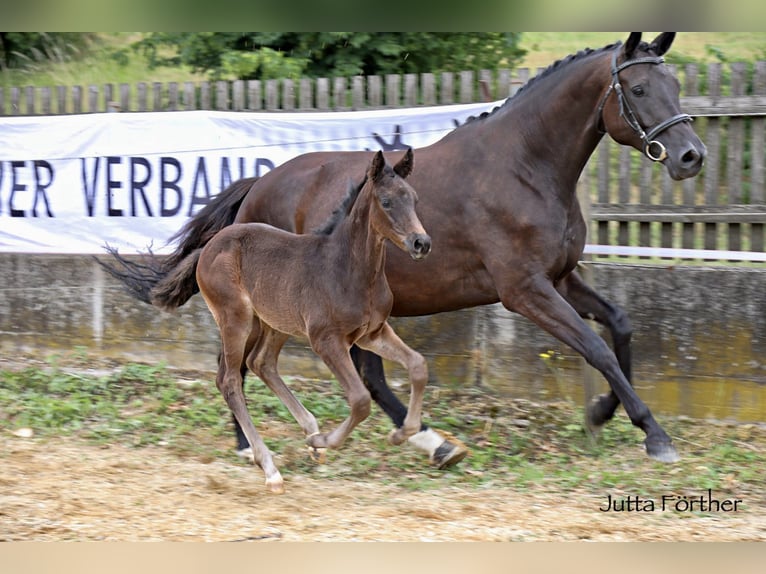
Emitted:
pixel 178 285
pixel 140 277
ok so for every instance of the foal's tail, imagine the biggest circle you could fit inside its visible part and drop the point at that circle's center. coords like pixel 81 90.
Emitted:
pixel 173 290
pixel 142 276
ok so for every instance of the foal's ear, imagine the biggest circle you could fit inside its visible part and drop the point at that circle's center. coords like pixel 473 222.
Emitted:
pixel 661 43
pixel 376 166
pixel 631 44
pixel 403 168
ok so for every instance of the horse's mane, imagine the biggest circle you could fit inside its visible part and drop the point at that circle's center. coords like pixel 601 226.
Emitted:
pixel 553 68
pixel 342 210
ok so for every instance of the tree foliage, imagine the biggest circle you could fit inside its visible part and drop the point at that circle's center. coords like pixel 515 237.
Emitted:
pixel 19 49
pixel 269 55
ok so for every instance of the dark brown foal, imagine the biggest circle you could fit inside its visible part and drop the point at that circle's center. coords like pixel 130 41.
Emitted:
pixel 263 284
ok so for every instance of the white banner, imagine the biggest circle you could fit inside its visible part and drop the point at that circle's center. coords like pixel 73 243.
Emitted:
pixel 73 183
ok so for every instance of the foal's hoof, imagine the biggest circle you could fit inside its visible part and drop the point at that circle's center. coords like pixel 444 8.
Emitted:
pixel 662 452
pixel 318 455
pixel 246 454
pixel 449 453
pixel 275 484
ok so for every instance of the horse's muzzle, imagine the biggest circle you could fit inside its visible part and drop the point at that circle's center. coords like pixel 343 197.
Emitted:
pixel 418 245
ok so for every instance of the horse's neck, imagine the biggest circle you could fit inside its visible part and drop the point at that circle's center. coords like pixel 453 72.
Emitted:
pixel 554 126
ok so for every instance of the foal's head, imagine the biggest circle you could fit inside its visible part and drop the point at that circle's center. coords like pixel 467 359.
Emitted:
pixel 392 210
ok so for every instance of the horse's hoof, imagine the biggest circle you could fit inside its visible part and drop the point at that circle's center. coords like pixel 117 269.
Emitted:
pixel 318 455
pixel 246 454
pixel 449 453
pixel 396 437
pixel 275 484
pixel 596 415
pixel 662 452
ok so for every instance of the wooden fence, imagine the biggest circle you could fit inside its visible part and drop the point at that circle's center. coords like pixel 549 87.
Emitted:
pixel 630 200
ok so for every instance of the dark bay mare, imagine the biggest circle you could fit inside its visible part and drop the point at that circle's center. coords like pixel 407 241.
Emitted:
pixel 498 195
pixel 263 284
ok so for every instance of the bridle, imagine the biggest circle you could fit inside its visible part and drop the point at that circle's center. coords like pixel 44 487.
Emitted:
pixel 653 148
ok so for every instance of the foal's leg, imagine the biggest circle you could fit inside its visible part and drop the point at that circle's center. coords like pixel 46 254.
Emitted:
pixel 336 357
pixel 442 451
pixel 235 326
pixel 388 345
pixel 262 360
pixel 542 304
pixel 591 305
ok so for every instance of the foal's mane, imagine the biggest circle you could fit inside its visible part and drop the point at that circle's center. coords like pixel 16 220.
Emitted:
pixel 550 70
pixel 340 212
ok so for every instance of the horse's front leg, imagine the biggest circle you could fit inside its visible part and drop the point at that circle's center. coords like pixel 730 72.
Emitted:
pixel 590 305
pixel 386 343
pixel 335 355
pixel 542 304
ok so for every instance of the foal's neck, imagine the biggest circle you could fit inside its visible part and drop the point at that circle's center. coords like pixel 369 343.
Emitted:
pixel 362 246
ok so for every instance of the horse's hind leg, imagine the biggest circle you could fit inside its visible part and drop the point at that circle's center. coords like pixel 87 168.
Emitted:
pixel 442 451
pixel 590 305
pixel 235 326
pixel 262 360
pixel 388 345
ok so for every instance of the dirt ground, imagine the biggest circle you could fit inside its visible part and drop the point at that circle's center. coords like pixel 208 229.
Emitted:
pixel 63 489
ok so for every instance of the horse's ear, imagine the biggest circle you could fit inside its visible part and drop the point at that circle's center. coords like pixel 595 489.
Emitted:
pixel 376 166
pixel 661 43
pixel 631 44
pixel 403 167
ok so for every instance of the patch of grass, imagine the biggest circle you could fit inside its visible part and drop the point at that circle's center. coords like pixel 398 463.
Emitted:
pixel 514 443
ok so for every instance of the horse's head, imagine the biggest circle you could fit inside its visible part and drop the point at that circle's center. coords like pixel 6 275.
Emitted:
pixel 393 208
pixel 641 107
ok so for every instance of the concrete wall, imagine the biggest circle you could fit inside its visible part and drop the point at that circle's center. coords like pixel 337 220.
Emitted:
pixel 699 334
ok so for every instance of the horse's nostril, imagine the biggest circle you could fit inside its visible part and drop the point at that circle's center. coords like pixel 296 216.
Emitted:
pixel 691 157
pixel 422 245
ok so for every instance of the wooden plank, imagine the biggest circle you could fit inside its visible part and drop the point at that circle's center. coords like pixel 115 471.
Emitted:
pixel 466 87
pixel 724 106
pixel 61 93
pixel 670 213
pixel 393 83
pixel 158 105
pixel 76 99
pixel 222 102
pixel 142 97
pixel 29 96
pixel 204 96
pixel 272 95
pixel 735 148
pixel 288 94
pixel 306 97
pixel 190 96
pixel 323 94
pixel 410 90
pixel 757 155
pixel 428 89
pixel 689 185
pixel 238 95
pixel 125 97
pixel 357 93
pixel 374 91
pixel 45 100
pixel 623 191
pixel 173 97
pixel 602 179
pixel 339 93
pixel 447 88
pixel 712 165
pixel 254 98
pixel 645 197
pixel 93 98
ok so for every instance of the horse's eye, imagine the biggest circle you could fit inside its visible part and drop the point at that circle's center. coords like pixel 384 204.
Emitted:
pixel 385 203
pixel 637 90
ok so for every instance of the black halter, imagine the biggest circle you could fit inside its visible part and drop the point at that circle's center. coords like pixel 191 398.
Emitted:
pixel 653 149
